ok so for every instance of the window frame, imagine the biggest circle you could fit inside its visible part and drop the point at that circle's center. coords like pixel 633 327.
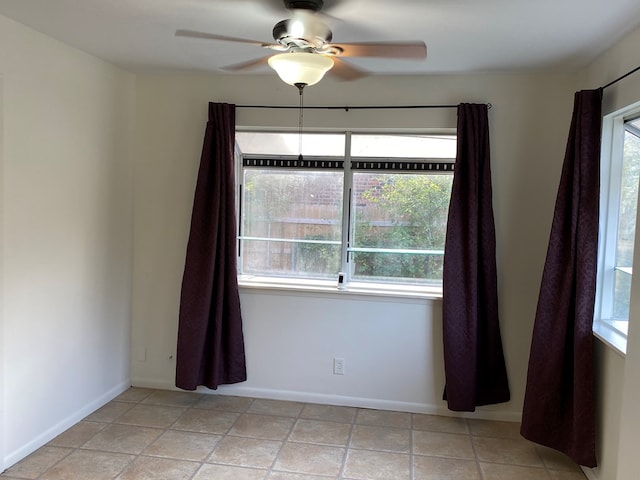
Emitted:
pixel 605 327
pixel 358 287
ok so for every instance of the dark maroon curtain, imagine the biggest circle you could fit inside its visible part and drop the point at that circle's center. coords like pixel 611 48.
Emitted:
pixel 559 399
pixel 210 340
pixel 475 370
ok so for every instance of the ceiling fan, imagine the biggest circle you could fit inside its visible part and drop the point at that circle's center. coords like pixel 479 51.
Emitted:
pixel 305 48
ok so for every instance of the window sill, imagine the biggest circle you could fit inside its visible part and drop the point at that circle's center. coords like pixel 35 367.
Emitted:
pixel 381 291
pixel 610 336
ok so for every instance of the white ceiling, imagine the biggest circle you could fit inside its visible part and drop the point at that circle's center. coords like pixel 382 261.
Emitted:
pixel 461 35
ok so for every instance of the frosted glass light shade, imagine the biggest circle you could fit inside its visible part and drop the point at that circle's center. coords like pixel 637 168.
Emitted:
pixel 300 67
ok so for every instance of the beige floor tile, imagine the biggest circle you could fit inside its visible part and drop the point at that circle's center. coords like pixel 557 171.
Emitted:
pixel 183 445
pixel 369 465
pixel 296 476
pixel 150 468
pixel 509 451
pixel 88 465
pixel 493 471
pixel 558 475
pixel 226 472
pixel 123 439
pixel 172 399
pixel 38 462
pixel 147 434
pixel 77 435
pixel 555 460
pixel 367 437
pixel 329 413
pixel 275 407
pixel 262 426
pixel 310 459
pixel 491 428
pixel 226 403
pixel 383 418
pixel 325 433
pixel 205 421
pixel 134 394
pixel 109 412
pixel 246 452
pixel 434 468
pixel 151 416
pixel 442 445
pixel 437 423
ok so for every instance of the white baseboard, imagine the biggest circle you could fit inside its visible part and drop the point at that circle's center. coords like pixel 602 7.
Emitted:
pixel 48 435
pixel 341 400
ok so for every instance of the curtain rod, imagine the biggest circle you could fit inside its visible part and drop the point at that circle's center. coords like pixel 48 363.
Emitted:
pixel 355 107
pixel 613 82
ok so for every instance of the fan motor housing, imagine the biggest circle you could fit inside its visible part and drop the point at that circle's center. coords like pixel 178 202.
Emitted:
pixel 281 32
pixel 315 5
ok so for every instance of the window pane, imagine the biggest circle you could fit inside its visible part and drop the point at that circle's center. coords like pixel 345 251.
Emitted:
pixel 291 223
pixel 399 226
pixel 622 295
pixel 403 146
pixel 628 200
pixel 626 225
pixel 272 143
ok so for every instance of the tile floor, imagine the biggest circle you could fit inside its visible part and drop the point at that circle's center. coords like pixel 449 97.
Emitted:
pixel 163 435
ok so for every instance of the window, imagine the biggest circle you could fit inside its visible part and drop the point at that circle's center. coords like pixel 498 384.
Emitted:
pixel 619 201
pixel 371 206
pixel 291 222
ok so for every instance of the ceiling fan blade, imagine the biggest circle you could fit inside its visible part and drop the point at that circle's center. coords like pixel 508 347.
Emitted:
pixel 224 38
pixel 382 49
pixel 255 63
pixel 345 71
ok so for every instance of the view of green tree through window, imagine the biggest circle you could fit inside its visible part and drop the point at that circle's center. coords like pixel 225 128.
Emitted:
pixel 627 220
pixel 400 226
pixel 376 212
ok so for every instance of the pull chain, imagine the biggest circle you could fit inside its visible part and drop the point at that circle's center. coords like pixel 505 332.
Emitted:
pixel 300 118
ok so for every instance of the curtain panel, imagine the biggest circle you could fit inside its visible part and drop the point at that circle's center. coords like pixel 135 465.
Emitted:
pixel 210 348
pixel 559 405
pixel 475 371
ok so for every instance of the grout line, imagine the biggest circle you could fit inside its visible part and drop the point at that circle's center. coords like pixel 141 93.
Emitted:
pixel 411 449
pixel 283 442
pixel 186 409
pixel 347 447
pixel 475 451
pixel 136 456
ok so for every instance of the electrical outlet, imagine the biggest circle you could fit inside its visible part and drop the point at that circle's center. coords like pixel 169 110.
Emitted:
pixel 142 354
pixel 338 366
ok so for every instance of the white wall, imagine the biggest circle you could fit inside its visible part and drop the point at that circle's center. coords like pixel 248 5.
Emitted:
pixel 392 349
pixel 291 351
pixel 66 236
pixel 609 366
pixel 2 448
pixel 628 461
pixel 617 377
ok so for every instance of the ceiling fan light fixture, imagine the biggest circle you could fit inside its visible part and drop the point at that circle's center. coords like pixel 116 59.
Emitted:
pixel 300 67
